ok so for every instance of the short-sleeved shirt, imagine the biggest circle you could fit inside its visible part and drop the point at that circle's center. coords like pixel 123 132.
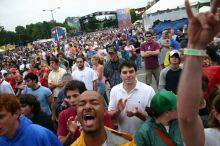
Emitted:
pixel 55 77
pixel 62 122
pixel 151 62
pixel 5 87
pixel 42 93
pixel 139 97
pixel 87 75
pixel 212 137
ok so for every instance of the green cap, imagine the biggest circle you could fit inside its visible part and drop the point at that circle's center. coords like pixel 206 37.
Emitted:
pixel 163 101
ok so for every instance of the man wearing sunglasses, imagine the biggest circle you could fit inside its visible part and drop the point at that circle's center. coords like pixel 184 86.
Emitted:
pixel 149 51
pixel 85 74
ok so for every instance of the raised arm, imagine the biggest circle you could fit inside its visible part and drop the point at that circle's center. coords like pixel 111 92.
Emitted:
pixel 202 28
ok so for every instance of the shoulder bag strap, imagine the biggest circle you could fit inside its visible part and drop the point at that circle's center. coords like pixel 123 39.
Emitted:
pixel 164 137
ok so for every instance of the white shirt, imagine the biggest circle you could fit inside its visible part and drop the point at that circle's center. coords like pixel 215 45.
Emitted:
pixel 5 87
pixel 21 68
pixel 87 75
pixel 139 97
pixel 212 137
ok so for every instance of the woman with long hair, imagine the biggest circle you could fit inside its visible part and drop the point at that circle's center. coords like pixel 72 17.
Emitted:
pixel 97 65
pixel 30 107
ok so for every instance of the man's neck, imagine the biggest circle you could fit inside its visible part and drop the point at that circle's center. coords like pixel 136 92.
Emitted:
pixel 81 68
pixel 174 66
pixel 97 139
pixel 56 69
pixel 162 120
pixel 35 86
pixel 129 87
pixel 149 42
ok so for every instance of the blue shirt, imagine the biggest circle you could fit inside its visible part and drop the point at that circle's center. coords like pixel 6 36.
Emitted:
pixel 174 44
pixel 42 93
pixel 28 134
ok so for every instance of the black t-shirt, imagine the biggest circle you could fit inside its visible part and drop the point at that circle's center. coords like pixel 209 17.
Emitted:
pixel 71 61
pixel 44 120
pixel 172 80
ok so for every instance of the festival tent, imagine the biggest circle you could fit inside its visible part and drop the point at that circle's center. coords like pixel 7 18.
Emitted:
pixel 169 10
pixel 204 9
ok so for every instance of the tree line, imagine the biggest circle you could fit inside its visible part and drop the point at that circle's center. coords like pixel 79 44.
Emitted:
pixel 42 30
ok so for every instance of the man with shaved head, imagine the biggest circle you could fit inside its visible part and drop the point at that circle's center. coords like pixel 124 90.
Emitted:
pixel 68 127
pixel 90 114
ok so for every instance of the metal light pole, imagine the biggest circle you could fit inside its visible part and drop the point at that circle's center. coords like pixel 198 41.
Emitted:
pixel 51 11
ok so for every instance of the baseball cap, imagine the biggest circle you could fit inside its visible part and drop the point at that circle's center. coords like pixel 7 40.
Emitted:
pixel 174 52
pixel 163 101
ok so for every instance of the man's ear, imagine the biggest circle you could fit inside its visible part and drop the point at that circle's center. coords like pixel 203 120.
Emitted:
pixel 17 113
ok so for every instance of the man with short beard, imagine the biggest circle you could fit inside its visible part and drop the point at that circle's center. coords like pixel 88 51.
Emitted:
pixel 85 74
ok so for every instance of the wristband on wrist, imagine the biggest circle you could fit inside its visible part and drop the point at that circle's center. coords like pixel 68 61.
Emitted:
pixel 194 52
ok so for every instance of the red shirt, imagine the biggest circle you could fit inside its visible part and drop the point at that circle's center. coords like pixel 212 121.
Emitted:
pixel 44 82
pixel 150 62
pixel 12 82
pixel 213 74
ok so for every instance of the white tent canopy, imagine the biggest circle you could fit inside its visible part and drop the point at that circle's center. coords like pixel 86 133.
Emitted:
pixel 204 9
pixel 168 10
pixel 169 5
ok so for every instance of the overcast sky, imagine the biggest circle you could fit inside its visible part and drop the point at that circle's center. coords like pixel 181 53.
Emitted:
pixel 23 12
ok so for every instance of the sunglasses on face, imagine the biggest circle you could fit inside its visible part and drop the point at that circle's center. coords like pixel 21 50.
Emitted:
pixel 78 62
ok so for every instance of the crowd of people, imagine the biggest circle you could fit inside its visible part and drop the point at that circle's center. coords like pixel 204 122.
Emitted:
pixel 84 91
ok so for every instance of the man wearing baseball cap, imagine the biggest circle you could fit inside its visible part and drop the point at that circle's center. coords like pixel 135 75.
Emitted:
pixel 111 68
pixel 161 127
pixel 169 76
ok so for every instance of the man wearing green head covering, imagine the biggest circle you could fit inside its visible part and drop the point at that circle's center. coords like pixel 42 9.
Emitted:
pixel 161 127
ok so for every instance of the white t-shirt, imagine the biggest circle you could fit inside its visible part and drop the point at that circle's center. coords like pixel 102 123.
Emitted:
pixel 43 55
pixel 139 97
pixel 21 68
pixel 5 87
pixel 87 76
pixel 212 137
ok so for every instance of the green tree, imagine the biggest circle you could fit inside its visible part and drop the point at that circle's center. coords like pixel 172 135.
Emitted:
pixel 92 25
pixel 110 22
pixel 134 16
pixel 21 33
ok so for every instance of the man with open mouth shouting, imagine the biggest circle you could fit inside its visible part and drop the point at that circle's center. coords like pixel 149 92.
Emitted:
pixel 90 114
pixel 68 126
